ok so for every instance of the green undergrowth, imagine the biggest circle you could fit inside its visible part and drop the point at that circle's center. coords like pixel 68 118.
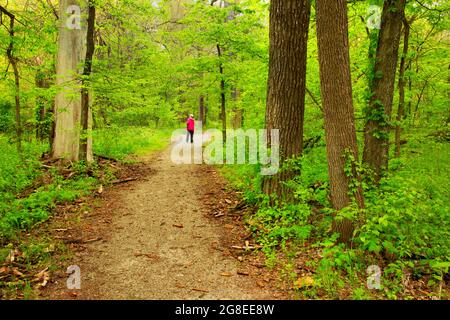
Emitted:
pixel 121 142
pixel 404 229
pixel 30 192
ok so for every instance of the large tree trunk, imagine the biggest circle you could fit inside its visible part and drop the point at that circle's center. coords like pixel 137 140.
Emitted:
pixel 376 131
pixel 336 88
pixel 289 28
pixel 401 88
pixel 86 147
pixel 68 99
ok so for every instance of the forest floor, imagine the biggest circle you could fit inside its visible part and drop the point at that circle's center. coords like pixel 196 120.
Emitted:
pixel 169 234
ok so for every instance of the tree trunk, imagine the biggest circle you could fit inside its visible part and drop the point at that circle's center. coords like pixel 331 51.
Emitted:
pixel 238 113
pixel 68 99
pixel 85 146
pixel 238 118
pixel 42 130
pixel 377 128
pixel 336 89
pixel 17 102
pixel 223 112
pixel 448 95
pixel 13 62
pixel 201 109
pixel 289 28
pixel 401 88
pixel 207 103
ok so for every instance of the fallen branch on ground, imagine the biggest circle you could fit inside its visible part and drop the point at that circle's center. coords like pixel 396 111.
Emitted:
pixel 123 180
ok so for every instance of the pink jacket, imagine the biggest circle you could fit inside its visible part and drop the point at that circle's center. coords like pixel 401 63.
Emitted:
pixel 190 124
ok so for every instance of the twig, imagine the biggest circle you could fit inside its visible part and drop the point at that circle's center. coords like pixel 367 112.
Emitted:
pixel 123 180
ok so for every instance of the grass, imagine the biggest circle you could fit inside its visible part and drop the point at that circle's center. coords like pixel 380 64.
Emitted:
pixel 118 143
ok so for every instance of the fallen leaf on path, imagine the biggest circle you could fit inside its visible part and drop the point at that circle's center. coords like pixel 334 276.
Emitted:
pixel 73 294
pixel 228 226
pixel 226 274
pixel 243 273
pixel 4 269
pixel 228 201
pixel 180 226
pixel 200 290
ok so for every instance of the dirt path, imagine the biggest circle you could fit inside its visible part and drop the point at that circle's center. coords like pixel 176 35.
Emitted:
pixel 161 244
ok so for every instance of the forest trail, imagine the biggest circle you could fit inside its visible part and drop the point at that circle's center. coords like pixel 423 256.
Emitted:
pixel 162 245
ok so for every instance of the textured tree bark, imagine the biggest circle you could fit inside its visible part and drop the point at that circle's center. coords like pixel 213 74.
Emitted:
pixel 68 100
pixel 336 89
pixel 289 28
pixel 86 153
pixel 401 88
pixel 379 110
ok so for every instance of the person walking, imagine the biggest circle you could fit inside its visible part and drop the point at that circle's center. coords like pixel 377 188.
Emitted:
pixel 190 125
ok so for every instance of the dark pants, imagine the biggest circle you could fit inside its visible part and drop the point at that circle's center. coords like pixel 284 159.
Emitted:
pixel 191 135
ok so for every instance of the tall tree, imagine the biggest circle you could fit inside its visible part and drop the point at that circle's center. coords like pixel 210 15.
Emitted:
pixel 336 89
pixel 379 109
pixel 13 62
pixel 42 82
pixel 289 28
pixel 401 85
pixel 223 110
pixel 85 145
pixel 202 109
pixel 68 99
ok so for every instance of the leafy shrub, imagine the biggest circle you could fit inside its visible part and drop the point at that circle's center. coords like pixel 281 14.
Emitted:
pixel 6 117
